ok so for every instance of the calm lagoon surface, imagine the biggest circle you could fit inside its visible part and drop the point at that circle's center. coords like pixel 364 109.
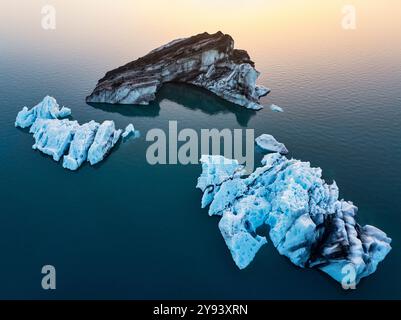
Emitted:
pixel 126 229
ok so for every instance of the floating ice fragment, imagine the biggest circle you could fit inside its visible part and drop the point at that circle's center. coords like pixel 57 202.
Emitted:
pixel 129 130
pixel 83 139
pixel 105 139
pixel 57 138
pixel 276 108
pixel 269 144
pixel 308 223
pixel 47 109
pixel 53 136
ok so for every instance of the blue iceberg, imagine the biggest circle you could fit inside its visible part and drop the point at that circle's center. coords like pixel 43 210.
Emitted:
pixel 67 139
pixel 83 138
pixel 129 130
pixel 105 139
pixel 307 221
pixel 47 109
pixel 276 108
pixel 268 143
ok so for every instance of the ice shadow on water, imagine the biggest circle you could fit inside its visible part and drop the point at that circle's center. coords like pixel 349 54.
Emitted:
pixel 152 110
pixel 187 96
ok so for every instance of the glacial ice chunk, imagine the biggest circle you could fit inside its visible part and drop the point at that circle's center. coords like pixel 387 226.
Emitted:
pixel 129 130
pixel 57 138
pixel 242 244
pixel 206 60
pixel 307 221
pixel 46 109
pixel 89 141
pixel 53 136
pixel 276 108
pixel 216 170
pixel 269 144
pixel 105 139
pixel 83 139
pixel 261 91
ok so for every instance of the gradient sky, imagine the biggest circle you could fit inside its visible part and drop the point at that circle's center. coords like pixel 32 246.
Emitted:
pixel 295 30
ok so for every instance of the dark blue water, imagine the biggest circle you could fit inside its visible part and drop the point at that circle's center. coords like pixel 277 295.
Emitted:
pixel 126 229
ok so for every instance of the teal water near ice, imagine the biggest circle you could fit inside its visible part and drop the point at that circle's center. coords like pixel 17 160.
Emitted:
pixel 126 229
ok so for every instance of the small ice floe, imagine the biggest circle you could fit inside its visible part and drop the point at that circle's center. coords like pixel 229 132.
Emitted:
pixel 129 130
pixel 48 108
pixel 268 143
pixel 67 139
pixel 276 108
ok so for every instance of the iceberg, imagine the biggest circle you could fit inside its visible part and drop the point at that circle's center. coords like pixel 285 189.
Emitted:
pixel 216 171
pixel 238 228
pixel 66 138
pixel 205 60
pixel 129 130
pixel 83 139
pixel 305 219
pixel 47 109
pixel 268 143
pixel 276 108
pixel 105 139
pixel 53 136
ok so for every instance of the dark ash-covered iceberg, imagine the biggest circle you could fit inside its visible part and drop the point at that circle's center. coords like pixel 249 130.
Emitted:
pixel 308 222
pixel 205 60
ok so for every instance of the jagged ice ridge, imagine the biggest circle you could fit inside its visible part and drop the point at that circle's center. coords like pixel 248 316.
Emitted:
pixel 67 139
pixel 308 222
pixel 205 60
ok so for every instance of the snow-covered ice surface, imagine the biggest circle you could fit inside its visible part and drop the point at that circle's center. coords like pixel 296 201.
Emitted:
pixel 308 222
pixel 77 143
pixel 269 144
pixel 276 108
